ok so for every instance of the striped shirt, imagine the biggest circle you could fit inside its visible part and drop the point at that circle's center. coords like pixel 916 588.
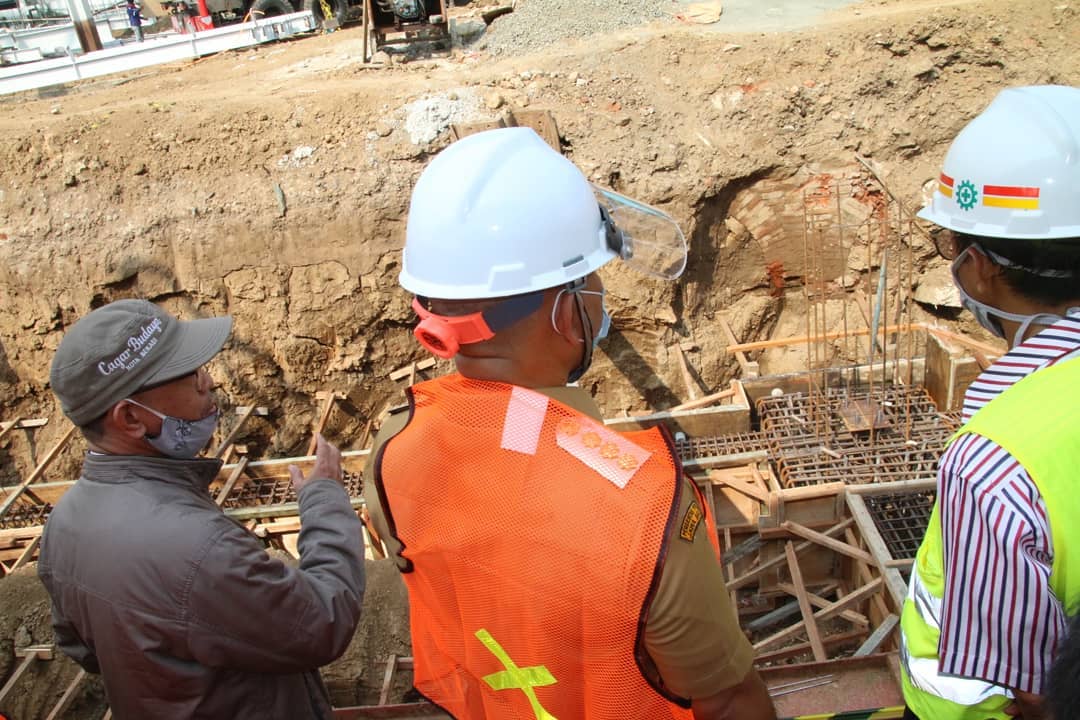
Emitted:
pixel 1001 622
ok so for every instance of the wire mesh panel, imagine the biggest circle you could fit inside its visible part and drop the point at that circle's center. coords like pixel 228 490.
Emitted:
pixel 901 519
pixel 278 490
pixel 718 446
pixel 897 434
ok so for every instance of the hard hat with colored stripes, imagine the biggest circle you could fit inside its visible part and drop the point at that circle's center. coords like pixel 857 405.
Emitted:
pixel 1014 171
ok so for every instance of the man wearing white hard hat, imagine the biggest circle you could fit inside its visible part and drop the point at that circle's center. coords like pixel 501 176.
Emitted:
pixel 999 568
pixel 556 569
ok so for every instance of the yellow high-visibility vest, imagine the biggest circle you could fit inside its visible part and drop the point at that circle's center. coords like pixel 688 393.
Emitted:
pixel 1036 421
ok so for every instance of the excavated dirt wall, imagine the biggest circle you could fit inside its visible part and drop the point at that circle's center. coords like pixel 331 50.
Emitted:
pixel 273 184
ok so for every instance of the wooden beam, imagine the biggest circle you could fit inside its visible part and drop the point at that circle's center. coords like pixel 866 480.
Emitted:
pixel 748 577
pixel 38 471
pixel 824 613
pixel 862 570
pixel 799 648
pixel 812 632
pixel 65 699
pixel 688 377
pixel 30 655
pixel 749 367
pixel 275 511
pixel 373 534
pixel 388 679
pixel 20 424
pixel 835 545
pixel 231 481
pixel 779 342
pixel 705 401
pixel 328 399
pixel 853 617
pixel 878 549
pixel 27 553
pixel 970 343
pixel 244 413
pixel 878 636
pixel 412 368
pixel 726 461
pixel 747 488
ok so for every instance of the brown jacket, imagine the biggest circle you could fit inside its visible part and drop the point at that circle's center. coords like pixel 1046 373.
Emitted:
pixel 181 609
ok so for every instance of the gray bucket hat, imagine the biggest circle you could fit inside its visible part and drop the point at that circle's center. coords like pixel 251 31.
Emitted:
pixel 126 345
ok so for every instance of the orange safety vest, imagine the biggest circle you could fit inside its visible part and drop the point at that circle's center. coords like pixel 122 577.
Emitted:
pixel 533 540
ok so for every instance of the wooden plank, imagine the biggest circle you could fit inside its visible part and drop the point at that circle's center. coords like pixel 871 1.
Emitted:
pixel 853 617
pixel 328 399
pixel 27 553
pixel 970 343
pixel 891 488
pixel 703 422
pixel 280 510
pixel 726 461
pixel 65 699
pixel 835 545
pixel 28 660
pixel 746 487
pixel 373 534
pixel 38 471
pixel 21 424
pixel 880 634
pixel 705 401
pixel 687 376
pixel 412 368
pixel 748 367
pixel 864 575
pixel 228 441
pixel 812 632
pixel 824 613
pixel 747 577
pixel 388 679
pixel 878 549
pixel 798 649
pixel 780 342
pixel 223 494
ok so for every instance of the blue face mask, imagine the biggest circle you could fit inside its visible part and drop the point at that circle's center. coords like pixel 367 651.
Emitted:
pixel 988 316
pixel 605 326
pixel 179 438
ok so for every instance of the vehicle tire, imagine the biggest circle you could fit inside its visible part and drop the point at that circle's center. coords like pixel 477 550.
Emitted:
pixel 270 8
pixel 339 7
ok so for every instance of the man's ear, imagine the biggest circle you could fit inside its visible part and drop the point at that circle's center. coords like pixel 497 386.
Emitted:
pixel 565 317
pixel 988 274
pixel 124 419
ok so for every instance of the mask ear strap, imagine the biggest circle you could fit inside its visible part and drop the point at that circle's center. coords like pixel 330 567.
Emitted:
pixel 586 328
pixel 444 335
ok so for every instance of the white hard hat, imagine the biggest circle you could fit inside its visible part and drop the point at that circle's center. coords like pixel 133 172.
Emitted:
pixel 502 213
pixel 1014 171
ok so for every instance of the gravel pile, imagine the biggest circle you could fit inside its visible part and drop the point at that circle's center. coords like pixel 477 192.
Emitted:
pixel 426 118
pixel 535 24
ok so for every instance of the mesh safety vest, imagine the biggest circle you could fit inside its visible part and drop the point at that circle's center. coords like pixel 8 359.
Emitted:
pixel 533 538
pixel 1035 422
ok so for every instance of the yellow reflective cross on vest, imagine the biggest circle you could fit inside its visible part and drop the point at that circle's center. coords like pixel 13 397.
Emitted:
pixel 1035 421
pixel 515 678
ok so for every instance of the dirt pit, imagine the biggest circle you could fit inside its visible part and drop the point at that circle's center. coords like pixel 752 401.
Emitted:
pixel 273 184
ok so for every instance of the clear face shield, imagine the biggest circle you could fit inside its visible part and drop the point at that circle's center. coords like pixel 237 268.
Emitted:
pixel 645 238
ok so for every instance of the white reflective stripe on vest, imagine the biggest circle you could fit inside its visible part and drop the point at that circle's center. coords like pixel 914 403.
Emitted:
pixel 923 672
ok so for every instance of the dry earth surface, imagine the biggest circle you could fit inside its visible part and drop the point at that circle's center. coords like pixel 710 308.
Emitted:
pixel 162 184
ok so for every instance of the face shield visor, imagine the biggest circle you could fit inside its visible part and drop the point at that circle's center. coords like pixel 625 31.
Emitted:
pixel 646 239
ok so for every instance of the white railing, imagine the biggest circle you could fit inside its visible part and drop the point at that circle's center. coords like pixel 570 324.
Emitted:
pixel 154 51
